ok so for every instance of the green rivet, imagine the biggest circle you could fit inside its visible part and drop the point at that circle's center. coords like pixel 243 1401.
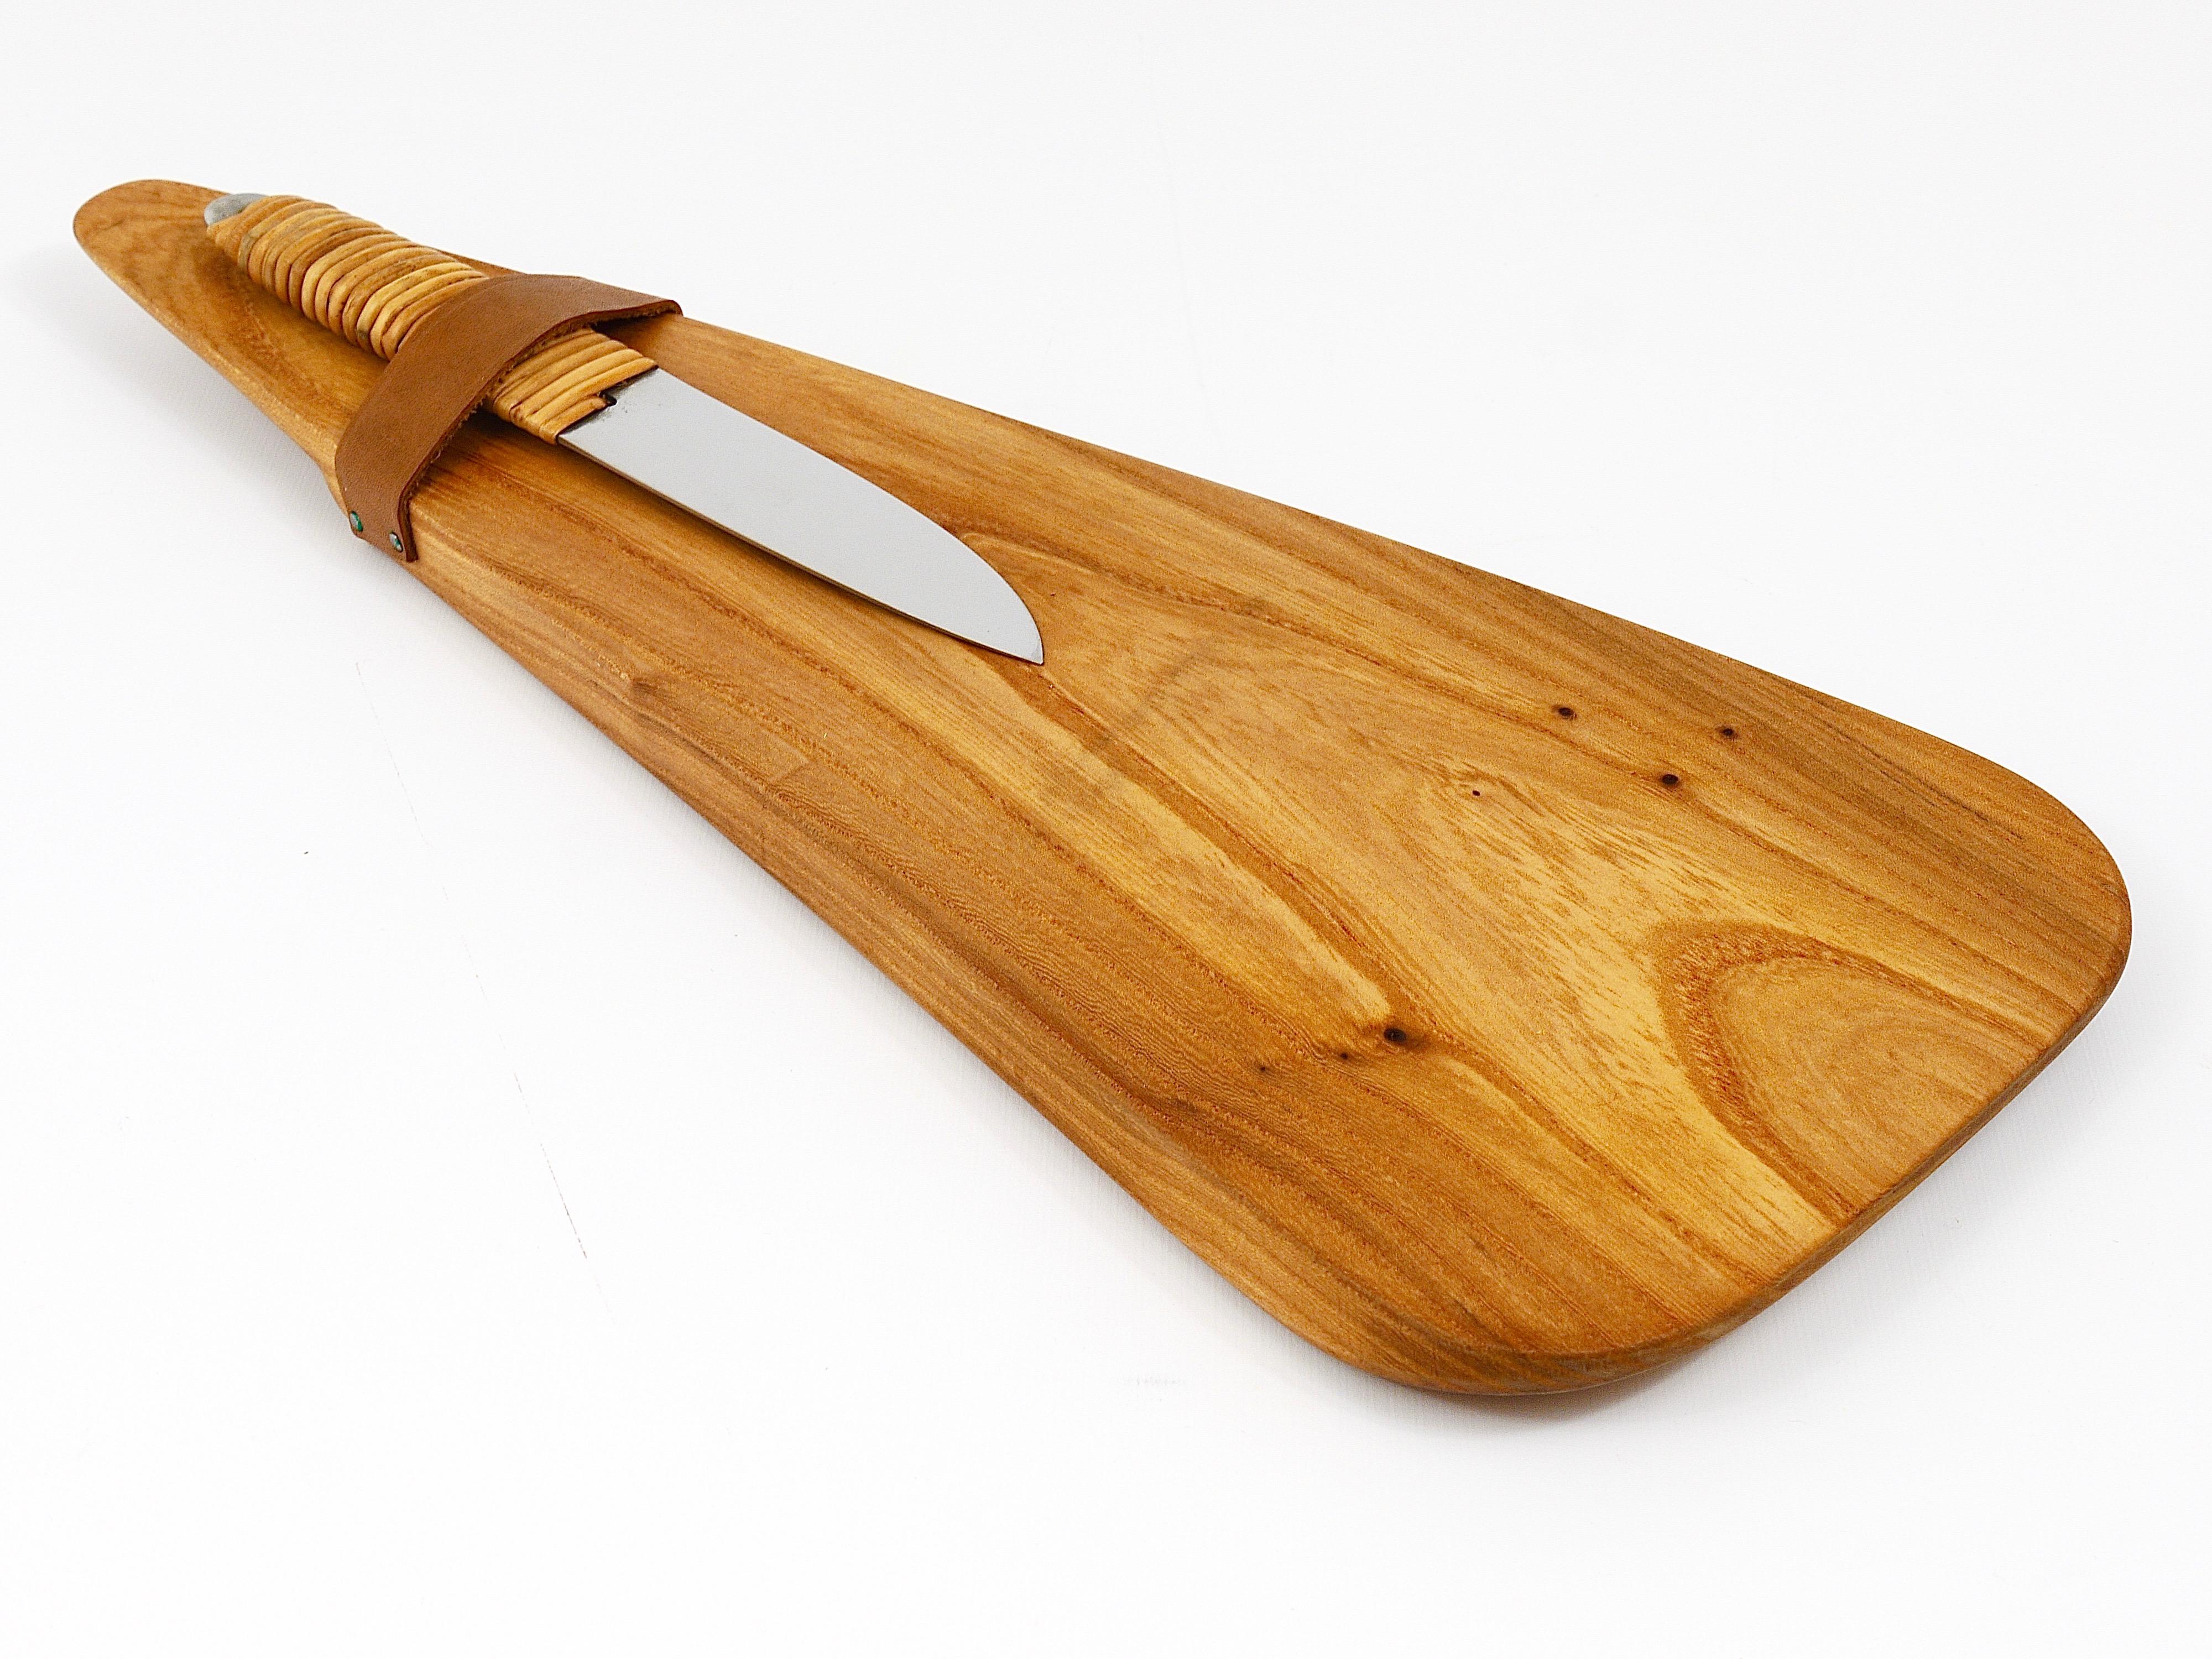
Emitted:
pixel 398 546
pixel 354 518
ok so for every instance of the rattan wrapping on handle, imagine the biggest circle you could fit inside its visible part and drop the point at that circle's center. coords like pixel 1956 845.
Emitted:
pixel 359 280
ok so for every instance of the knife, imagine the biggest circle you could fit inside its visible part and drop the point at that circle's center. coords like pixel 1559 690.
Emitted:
pixel 588 393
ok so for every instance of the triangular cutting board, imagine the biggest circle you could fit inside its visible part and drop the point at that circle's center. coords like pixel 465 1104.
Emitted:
pixel 1504 996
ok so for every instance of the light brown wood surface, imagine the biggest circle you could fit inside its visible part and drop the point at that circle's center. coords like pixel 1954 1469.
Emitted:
pixel 1504 996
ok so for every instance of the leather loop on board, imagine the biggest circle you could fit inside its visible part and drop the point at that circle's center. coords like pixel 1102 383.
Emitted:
pixel 447 365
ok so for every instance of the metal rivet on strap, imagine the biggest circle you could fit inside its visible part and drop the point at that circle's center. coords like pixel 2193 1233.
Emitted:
pixel 354 518
pixel 398 546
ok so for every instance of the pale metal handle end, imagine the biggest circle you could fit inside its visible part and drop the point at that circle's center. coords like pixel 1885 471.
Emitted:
pixel 223 206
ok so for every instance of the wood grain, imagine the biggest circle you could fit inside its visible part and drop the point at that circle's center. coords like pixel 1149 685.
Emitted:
pixel 1504 996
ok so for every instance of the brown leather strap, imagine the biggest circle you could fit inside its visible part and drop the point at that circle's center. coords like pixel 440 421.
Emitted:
pixel 448 365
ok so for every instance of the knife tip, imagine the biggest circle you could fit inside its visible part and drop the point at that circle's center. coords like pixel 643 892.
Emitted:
pixel 1022 640
pixel 996 617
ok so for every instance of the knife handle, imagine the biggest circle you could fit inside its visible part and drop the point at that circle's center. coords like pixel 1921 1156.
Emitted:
pixel 372 288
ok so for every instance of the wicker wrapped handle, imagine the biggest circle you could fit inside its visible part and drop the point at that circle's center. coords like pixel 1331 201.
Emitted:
pixel 362 282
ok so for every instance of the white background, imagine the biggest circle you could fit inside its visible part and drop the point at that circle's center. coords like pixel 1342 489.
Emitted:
pixel 452 1202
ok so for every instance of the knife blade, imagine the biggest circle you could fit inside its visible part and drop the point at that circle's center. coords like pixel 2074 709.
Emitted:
pixel 716 462
pixel 797 503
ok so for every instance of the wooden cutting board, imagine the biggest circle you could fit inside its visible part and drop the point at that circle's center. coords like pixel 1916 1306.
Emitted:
pixel 1504 996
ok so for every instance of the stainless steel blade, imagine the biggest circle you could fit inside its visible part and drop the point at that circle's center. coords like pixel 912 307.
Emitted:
pixel 801 505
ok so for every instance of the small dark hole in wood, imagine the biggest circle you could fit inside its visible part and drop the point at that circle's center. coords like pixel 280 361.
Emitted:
pixel 1344 1053
pixel 1477 793
pixel 1563 711
pixel 1263 1071
pixel 1392 1034
pixel 1668 779
pixel 1727 730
